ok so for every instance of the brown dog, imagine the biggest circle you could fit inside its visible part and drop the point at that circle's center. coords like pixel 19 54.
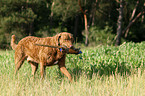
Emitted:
pixel 46 56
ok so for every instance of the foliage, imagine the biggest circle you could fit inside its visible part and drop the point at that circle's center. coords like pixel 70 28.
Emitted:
pixel 67 9
pixel 48 17
pixel 102 70
pixel 16 16
pixel 100 36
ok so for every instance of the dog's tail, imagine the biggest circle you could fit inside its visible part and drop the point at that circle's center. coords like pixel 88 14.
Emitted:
pixel 13 44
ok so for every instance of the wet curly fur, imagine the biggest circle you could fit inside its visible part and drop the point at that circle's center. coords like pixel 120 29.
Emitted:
pixel 45 56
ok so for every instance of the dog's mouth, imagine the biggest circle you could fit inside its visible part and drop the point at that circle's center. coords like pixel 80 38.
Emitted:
pixel 71 49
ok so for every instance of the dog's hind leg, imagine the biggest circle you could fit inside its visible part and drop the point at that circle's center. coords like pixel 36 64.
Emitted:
pixel 34 67
pixel 18 62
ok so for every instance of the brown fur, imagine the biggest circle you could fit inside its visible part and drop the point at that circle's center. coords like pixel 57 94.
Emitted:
pixel 45 56
pixel 13 45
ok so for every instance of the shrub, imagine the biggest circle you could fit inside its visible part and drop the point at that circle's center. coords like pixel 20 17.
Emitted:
pixel 98 36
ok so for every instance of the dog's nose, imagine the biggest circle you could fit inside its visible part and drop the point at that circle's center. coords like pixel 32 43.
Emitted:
pixel 71 46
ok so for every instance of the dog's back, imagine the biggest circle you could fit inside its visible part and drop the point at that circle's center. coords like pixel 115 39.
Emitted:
pixel 29 42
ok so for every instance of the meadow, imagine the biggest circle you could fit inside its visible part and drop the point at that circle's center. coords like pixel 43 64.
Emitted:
pixel 98 71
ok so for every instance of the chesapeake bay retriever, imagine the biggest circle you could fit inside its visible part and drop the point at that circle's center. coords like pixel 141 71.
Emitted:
pixel 45 56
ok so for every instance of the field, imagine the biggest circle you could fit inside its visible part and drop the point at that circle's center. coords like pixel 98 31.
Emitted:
pixel 99 71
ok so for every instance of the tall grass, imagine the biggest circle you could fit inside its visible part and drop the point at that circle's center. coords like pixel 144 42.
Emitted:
pixel 102 71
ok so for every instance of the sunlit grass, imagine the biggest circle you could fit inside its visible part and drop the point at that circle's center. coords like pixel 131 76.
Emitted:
pixel 102 71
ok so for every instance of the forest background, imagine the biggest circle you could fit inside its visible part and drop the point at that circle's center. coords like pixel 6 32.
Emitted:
pixel 92 22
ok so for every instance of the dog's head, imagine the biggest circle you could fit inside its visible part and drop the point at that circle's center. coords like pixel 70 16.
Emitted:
pixel 65 39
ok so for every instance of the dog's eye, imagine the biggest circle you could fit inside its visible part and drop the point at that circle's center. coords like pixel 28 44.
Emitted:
pixel 73 41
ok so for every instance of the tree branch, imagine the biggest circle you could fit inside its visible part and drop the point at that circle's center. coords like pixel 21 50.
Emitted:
pixel 134 10
pixel 131 22
pixel 81 7
pixel 126 30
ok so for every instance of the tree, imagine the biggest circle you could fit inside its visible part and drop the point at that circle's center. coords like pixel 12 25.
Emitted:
pixel 119 23
pixel 134 17
pixel 20 17
pixel 16 18
pixel 86 23
pixel 137 8
pixel 44 18
pixel 63 13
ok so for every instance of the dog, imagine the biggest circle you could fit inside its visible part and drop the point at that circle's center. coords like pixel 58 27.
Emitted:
pixel 27 49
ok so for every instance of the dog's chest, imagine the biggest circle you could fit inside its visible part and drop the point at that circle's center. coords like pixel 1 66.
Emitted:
pixel 54 58
pixel 58 55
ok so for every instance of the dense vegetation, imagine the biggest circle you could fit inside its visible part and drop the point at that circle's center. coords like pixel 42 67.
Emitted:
pixel 102 71
pixel 47 17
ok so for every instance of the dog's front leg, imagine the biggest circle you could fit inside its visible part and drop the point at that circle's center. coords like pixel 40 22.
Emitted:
pixel 63 69
pixel 66 73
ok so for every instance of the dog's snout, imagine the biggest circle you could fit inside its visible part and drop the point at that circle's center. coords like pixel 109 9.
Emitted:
pixel 71 46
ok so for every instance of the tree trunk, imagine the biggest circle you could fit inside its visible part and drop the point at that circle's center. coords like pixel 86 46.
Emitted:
pixel 76 27
pixel 119 24
pixel 31 32
pixel 91 21
pixel 142 19
pixel 86 25
pixel 51 17
pixel 86 30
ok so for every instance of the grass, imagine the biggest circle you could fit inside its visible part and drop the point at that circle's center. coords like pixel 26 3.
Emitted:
pixel 102 71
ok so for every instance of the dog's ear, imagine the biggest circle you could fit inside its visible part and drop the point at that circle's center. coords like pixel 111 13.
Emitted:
pixel 59 40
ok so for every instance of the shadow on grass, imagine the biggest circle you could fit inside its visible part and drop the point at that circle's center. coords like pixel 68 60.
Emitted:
pixel 103 69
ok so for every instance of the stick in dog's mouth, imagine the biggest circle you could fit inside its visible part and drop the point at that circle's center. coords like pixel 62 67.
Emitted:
pixel 48 46
pixel 68 50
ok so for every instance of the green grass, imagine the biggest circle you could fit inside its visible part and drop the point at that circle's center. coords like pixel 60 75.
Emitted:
pixel 102 71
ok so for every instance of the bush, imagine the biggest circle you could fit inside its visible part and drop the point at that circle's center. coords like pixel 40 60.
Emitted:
pixel 98 36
